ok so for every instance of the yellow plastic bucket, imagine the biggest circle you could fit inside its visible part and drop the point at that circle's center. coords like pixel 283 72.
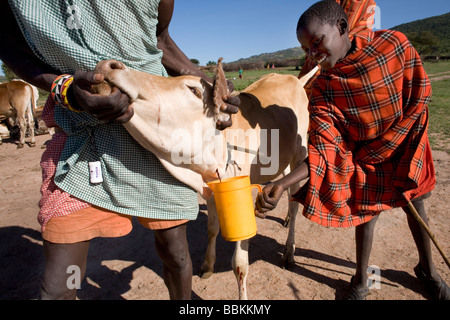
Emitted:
pixel 235 209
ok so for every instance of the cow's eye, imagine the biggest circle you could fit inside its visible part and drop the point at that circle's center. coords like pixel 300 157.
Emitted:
pixel 196 91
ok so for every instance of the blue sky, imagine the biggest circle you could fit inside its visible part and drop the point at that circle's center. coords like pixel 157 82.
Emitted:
pixel 234 29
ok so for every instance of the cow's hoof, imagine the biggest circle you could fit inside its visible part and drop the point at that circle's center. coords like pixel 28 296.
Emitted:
pixel 288 261
pixel 205 273
pixel 32 144
pixel 20 146
pixel 288 264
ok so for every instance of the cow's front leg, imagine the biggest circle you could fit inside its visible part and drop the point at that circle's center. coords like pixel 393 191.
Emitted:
pixel 240 267
pixel 288 256
pixel 207 268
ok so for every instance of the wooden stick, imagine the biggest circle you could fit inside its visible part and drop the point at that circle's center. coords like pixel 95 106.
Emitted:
pixel 424 225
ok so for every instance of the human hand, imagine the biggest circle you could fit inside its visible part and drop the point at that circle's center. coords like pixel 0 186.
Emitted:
pixel 113 107
pixel 268 199
pixel 232 107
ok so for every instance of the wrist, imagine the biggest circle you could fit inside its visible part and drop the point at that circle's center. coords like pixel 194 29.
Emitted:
pixel 72 101
pixel 62 93
pixel 297 175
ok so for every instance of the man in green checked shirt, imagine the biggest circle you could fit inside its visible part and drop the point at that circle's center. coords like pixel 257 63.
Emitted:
pixel 49 38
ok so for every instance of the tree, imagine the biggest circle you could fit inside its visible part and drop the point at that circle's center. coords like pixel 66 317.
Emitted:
pixel 211 63
pixel 425 42
pixel 195 61
pixel 8 73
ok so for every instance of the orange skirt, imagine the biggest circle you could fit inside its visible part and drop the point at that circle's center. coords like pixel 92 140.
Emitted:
pixel 93 222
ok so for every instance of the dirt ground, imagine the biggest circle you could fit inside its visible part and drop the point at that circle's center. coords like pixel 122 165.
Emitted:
pixel 129 268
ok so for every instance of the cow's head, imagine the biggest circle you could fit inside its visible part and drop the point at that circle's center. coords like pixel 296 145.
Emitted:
pixel 174 117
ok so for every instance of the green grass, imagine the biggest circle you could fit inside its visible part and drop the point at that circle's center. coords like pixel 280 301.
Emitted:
pixel 436 67
pixel 439 112
pixel 439 108
pixel 251 76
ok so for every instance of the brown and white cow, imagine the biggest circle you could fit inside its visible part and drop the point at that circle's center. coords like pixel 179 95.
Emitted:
pixel 175 118
pixel 17 102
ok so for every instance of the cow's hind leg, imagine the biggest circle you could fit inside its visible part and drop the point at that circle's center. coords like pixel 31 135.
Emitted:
pixel 240 267
pixel 23 131
pixel 30 119
pixel 207 268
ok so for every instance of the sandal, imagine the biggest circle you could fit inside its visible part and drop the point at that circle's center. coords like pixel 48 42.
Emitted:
pixel 438 289
pixel 357 294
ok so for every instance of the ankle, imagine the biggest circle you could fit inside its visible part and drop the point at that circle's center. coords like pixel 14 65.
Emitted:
pixel 427 271
pixel 359 281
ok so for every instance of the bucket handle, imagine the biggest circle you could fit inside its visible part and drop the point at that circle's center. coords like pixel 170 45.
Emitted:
pixel 256 186
pixel 259 190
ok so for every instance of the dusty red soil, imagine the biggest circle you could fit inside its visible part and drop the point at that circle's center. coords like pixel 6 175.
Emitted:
pixel 129 268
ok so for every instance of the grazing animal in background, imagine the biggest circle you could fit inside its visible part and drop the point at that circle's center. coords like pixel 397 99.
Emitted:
pixel 17 102
pixel 175 118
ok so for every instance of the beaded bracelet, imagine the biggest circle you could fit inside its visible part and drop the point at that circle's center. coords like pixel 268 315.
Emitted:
pixel 59 91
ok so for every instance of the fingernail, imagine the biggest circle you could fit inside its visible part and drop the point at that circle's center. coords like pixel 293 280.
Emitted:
pixel 98 77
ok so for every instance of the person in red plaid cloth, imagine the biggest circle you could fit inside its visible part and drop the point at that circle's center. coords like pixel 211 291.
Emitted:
pixel 368 143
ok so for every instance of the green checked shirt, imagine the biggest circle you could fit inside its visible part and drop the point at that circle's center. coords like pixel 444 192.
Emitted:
pixel 76 35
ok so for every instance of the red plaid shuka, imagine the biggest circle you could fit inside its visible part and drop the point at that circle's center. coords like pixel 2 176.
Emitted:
pixel 368 140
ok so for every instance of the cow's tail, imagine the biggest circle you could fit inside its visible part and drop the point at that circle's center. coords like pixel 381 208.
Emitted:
pixel 32 105
pixel 304 80
pixel 31 112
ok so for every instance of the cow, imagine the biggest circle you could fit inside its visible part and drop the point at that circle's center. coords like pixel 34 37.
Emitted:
pixel 17 102
pixel 175 118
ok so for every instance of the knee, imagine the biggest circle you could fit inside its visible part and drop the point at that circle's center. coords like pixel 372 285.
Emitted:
pixel 419 207
pixel 173 249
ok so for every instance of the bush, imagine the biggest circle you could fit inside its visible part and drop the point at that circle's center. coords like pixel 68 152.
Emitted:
pixel 258 65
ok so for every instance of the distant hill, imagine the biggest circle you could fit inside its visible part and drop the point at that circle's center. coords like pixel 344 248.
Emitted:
pixel 283 58
pixel 292 53
pixel 439 26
